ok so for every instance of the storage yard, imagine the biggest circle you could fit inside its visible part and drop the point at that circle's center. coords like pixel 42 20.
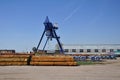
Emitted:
pixel 108 71
pixel 14 66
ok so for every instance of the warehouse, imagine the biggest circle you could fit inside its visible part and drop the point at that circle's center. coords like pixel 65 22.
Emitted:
pixel 91 48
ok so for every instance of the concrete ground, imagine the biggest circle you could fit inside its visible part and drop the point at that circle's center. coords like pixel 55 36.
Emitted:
pixel 107 71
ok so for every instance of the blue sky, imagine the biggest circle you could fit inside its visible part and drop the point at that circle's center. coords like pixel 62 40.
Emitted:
pixel 79 21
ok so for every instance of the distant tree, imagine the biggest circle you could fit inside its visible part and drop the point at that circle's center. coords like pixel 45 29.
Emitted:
pixel 34 49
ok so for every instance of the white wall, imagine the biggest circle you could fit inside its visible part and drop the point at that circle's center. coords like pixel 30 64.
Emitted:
pixel 92 47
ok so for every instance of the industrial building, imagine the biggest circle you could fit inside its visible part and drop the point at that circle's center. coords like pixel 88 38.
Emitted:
pixel 7 51
pixel 91 48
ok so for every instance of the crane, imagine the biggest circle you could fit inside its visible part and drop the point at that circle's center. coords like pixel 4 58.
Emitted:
pixel 50 31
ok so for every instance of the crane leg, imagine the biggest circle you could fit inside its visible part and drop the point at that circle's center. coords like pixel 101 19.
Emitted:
pixel 40 40
pixel 61 49
pixel 45 44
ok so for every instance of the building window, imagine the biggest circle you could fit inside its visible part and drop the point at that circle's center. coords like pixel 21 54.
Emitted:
pixel 111 50
pixel 96 50
pixel 73 50
pixel 88 50
pixel 118 50
pixel 103 50
pixel 81 50
pixel 66 50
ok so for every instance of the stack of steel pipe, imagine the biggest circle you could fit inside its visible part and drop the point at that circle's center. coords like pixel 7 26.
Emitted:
pixel 17 60
pixel 53 61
